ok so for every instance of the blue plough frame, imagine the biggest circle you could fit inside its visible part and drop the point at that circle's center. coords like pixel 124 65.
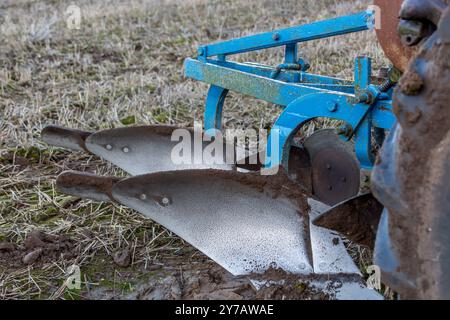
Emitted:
pixel 302 95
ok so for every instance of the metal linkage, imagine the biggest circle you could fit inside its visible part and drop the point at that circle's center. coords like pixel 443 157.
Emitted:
pixel 303 96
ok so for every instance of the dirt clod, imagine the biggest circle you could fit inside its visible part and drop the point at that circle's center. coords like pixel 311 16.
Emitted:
pixel 122 258
pixel 176 290
pixel 31 257
pixel 35 239
pixel 37 248
pixel 414 116
pixel 411 83
pixel 7 246
pixel 291 291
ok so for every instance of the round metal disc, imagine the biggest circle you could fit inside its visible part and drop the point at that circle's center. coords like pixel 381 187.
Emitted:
pixel 387 35
pixel 335 169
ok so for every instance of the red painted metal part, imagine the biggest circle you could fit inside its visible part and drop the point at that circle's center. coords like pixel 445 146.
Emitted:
pixel 389 40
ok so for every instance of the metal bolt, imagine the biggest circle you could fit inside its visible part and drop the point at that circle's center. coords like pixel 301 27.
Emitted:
pixel 345 131
pixel 364 97
pixel 126 149
pixel 328 166
pixel 332 106
pixel 341 130
pixel 143 196
pixel 108 147
pixel 276 36
pixel 165 201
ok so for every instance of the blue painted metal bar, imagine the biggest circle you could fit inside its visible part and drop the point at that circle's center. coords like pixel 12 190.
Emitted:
pixel 263 88
pixel 306 77
pixel 285 75
pixel 291 53
pixel 318 30
pixel 350 89
pixel 363 73
pixel 363 129
pixel 257 69
pixel 363 143
pixel 382 115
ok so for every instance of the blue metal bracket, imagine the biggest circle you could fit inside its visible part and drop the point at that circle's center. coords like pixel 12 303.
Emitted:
pixel 214 105
pixel 307 108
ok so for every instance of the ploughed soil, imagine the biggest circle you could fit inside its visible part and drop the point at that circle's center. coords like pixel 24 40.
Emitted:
pixel 38 248
pixel 187 275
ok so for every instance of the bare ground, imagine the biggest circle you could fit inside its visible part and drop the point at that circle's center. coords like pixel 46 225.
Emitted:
pixel 125 67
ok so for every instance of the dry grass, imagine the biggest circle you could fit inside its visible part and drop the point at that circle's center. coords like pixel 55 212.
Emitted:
pixel 125 65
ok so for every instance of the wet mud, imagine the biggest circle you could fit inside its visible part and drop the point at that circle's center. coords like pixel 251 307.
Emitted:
pixel 187 276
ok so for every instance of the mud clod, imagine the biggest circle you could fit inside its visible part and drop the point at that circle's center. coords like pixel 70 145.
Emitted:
pixel 296 291
pixel 37 248
pixel 414 116
pixel 7 246
pixel 31 257
pixel 122 258
pixel 411 84
pixel 35 239
pixel 176 289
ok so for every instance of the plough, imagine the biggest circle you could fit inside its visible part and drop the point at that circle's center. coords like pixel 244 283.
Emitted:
pixel 246 221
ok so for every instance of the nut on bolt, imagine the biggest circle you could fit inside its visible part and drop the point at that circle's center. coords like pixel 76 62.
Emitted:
pixel 345 130
pixel 365 96
pixel 164 201
pixel 332 106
